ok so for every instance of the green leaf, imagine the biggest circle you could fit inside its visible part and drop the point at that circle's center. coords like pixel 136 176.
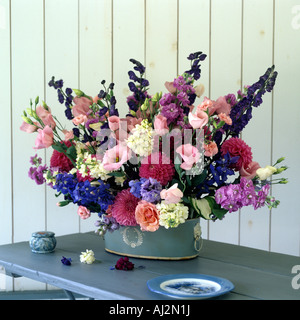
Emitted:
pixel 58 147
pixel 116 174
pixel 71 152
pixel 199 178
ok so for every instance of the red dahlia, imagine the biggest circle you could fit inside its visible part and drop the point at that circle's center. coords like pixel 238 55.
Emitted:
pixel 60 161
pixel 238 147
pixel 157 166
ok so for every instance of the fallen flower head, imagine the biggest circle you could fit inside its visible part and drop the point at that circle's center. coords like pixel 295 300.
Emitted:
pixel 87 257
pixel 124 264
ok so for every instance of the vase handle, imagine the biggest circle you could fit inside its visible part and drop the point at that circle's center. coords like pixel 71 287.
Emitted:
pixel 198 239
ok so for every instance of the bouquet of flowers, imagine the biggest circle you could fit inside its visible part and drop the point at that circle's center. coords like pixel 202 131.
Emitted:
pixel 165 162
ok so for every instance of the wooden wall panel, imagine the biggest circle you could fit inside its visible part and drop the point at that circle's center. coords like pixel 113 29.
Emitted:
pixel 225 77
pixel 254 224
pixel 285 223
pixel 86 41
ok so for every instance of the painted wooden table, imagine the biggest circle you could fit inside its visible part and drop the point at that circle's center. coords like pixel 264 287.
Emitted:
pixel 255 274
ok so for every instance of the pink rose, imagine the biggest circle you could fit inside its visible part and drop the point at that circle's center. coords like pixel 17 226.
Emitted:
pixel 83 212
pixel 171 195
pixel 115 157
pixel 189 154
pixel 147 216
pixel 80 119
pixel 113 123
pixel 44 138
pixel 249 172
pixel 160 125
pixel 210 149
pixel 82 106
pixel 199 119
pixel 45 116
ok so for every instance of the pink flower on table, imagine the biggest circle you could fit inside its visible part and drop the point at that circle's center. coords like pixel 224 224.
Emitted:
pixel 46 116
pixel 210 149
pixel 171 195
pixel 250 171
pixel 82 106
pixel 83 212
pixel 160 125
pixel 44 138
pixel 199 119
pixel 115 157
pixel 147 216
pixel 113 123
pixel 189 154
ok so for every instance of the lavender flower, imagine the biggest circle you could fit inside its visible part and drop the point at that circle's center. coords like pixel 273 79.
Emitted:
pixel 150 190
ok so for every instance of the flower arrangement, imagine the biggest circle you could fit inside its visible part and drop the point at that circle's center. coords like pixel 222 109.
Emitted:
pixel 160 165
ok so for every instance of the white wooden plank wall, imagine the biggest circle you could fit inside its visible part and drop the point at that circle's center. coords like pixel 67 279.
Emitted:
pixel 84 42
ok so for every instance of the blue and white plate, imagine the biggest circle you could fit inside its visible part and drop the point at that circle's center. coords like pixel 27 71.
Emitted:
pixel 190 286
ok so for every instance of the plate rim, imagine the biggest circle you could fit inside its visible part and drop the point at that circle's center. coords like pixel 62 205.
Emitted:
pixel 154 285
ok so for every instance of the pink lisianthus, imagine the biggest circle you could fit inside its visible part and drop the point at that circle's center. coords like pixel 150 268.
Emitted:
pixel 220 106
pixel 46 116
pixel 115 157
pixel 189 154
pixel 170 87
pixel 199 119
pixel 69 135
pixel 171 195
pixel 83 212
pixel 44 138
pixel 160 125
pixel 113 123
pixel 211 149
pixel 82 106
pixel 147 216
pixel 29 128
pixel 250 171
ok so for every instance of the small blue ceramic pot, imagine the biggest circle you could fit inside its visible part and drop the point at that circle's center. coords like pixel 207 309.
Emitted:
pixel 42 242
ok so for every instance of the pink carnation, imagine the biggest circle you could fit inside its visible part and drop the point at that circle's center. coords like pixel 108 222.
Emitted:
pixel 238 147
pixel 123 209
pixel 157 166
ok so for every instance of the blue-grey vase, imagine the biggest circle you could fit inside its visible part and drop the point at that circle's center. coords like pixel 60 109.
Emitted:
pixel 183 242
pixel 42 242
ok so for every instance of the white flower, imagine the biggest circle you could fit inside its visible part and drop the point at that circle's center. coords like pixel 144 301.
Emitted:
pixel 141 139
pixel 172 214
pixel 264 173
pixel 87 257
